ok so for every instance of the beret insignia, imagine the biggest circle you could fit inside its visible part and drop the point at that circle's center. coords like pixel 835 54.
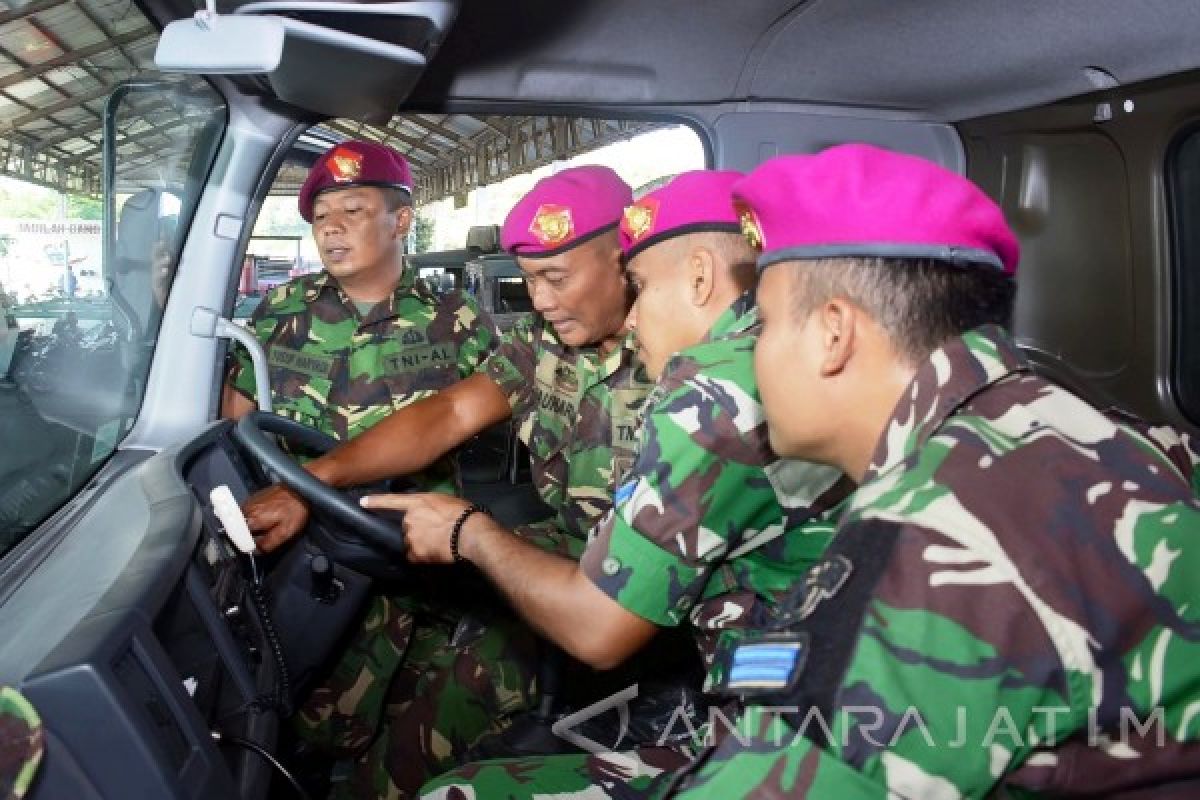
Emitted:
pixel 638 219
pixel 750 228
pixel 345 165
pixel 552 225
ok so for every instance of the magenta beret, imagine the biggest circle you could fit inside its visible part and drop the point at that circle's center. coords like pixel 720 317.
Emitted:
pixel 354 163
pixel 690 203
pixel 859 200
pixel 564 210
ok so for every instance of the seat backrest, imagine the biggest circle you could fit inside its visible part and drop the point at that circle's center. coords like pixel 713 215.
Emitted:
pixel 1058 371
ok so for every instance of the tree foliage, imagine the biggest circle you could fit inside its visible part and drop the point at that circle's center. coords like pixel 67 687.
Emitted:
pixel 423 228
pixel 21 200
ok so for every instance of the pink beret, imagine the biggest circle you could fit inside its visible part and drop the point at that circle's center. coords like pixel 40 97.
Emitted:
pixel 354 163
pixel 859 200
pixel 692 202
pixel 564 210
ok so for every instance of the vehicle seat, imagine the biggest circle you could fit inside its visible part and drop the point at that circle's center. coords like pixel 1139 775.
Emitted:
pixel 1056 370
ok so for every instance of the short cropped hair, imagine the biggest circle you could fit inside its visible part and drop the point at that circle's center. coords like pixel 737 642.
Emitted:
pixel 731 249
pixel 919 303
pixel 395 199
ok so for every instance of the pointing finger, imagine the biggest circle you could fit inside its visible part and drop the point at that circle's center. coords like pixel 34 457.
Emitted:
pixel 391 502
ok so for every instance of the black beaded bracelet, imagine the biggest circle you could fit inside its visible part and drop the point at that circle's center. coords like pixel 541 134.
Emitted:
pixel 458 526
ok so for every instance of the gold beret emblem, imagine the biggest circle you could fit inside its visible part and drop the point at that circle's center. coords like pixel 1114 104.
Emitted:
pixel 345 165
pixel 638 219
pixel 750 228
pixel 552 225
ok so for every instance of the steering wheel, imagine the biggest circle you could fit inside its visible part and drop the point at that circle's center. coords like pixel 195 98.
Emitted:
pixel 349 535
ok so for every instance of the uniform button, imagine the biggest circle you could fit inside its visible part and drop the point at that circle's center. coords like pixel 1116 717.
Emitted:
pixel 611 566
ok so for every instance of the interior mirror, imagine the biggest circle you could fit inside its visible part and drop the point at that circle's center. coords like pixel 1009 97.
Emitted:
pixel 357 60
pixel 221 44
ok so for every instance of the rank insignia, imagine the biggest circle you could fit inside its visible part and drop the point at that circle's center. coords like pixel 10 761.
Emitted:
pixel 552 225
pixel 638 219
pixel 750 228
pixel 345 165
pixel 769 665
pixel 823 581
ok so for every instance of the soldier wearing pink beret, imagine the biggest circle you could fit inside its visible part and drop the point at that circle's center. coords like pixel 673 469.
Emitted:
pixel 709 529
pixel 570 379
pixel 1008 606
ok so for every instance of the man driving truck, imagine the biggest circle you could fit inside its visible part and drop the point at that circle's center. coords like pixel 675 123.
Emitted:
pixel 570 378
pixel 345 348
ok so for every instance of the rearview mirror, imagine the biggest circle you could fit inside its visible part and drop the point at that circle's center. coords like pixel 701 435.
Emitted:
pixel 221 44
pixel 328 67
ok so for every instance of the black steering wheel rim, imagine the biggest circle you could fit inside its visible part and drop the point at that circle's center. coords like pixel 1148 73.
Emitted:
pixel 336 507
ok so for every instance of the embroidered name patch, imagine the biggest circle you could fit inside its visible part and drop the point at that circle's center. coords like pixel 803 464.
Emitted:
pixel 315 366
pixel 415 359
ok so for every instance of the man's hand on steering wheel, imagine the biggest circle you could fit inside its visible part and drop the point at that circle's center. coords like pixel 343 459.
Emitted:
pixel 275 515
pixel 367 542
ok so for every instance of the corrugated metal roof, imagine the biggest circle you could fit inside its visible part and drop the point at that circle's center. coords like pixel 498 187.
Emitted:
pixel 59 60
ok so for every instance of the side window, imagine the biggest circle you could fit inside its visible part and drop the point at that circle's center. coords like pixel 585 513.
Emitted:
pixel 511 297
pixel 279 249
pixel 81 300
pixel 1183 176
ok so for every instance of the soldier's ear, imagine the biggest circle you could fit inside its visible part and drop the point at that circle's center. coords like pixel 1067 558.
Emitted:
pixel 404 221
pixel 702 275
pixel 839 322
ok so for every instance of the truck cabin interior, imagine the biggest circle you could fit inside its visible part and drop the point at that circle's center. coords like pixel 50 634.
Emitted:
pixel 130 621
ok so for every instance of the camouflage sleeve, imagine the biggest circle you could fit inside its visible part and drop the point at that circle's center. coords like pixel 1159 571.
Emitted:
pixel 941 693
pixel 21 744
pixel 513 365
pixel 765 759
pixel 972 662
pixel 1177 446
pixel 476 333
pixel 696 489
pixel 240 374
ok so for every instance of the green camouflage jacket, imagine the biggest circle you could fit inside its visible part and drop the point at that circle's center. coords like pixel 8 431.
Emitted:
pixel 697 528
pixel 21 744
pixel 340 373
pixel 1180 447
pixel 1016 609
pixel 578 412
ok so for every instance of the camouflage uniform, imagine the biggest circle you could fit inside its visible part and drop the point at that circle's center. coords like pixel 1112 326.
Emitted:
pixel 1180 447
pixel 341 373
pixel 578 412
pixel 696 536
pixel 21 744
pixel 579 416
pixel 1012 579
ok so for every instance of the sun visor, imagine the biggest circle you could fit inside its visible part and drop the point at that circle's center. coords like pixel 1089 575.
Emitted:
pixel 336 58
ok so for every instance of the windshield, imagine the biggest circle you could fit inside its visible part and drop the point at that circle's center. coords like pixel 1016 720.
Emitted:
pixel 83 283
